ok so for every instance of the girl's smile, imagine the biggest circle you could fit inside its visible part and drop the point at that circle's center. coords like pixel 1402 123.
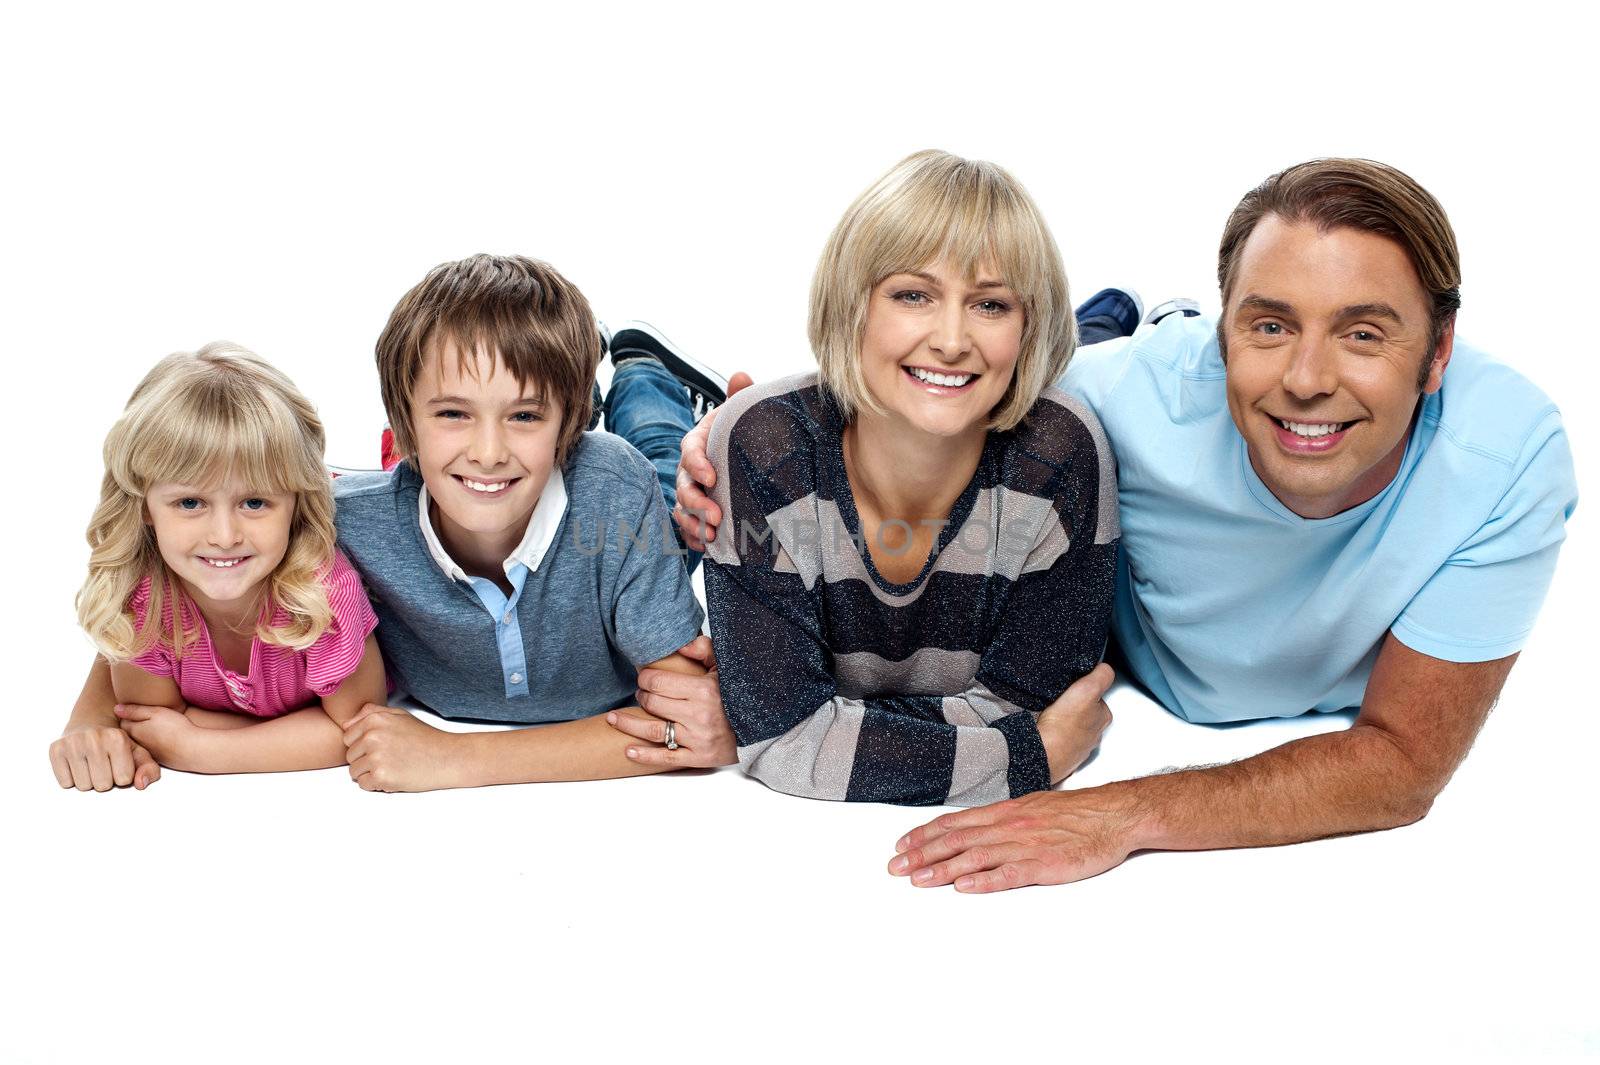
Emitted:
pixel 221 540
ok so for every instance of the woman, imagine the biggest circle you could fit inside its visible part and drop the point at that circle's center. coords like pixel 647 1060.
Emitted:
pixel 919 540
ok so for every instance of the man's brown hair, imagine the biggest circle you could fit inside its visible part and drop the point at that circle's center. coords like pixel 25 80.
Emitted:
pixel 1364 195
pixel 518 310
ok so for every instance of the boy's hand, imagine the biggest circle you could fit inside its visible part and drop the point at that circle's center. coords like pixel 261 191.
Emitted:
pixel 696 516
pixel 166 733
pixel 692 704
pixel 389 750
pixel 98 758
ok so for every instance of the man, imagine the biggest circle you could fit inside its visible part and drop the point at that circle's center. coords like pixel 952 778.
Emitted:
pixel 1315 516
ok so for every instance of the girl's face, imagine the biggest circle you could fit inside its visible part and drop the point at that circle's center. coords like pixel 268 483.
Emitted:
pixel 221 541
pixel 939 349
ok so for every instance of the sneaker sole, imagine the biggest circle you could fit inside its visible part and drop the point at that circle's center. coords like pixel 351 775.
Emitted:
pixel 695 375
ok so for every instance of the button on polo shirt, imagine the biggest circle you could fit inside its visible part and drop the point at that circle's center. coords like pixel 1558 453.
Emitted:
pixel 541 532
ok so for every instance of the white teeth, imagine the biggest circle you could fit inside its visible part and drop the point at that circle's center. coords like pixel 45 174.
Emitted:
pixel 485 487
pixel 221 563
pixel 945 379
pixel 1310 428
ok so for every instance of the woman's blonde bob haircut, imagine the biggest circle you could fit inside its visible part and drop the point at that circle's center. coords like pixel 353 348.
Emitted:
pixel 934 207
pixel 200 419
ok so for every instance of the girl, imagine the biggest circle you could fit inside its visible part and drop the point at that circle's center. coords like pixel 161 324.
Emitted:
pixel 214 588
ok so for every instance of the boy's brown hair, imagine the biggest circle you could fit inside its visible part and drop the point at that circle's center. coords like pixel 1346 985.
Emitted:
pixel 524 313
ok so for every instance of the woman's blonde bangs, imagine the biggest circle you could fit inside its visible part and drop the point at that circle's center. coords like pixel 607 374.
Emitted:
pixel 934 207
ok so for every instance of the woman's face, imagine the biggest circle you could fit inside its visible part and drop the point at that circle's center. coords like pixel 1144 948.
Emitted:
pixel 939 349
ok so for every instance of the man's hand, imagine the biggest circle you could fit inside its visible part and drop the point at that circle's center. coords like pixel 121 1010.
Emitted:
pixel 389 750
pixel 696 516
pixel 169 736
pixel 1049 837
pixel 693 704
pixel 1071 727
pixel 99 757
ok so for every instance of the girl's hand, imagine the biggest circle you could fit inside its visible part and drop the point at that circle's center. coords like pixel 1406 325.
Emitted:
pixel 167 734
pixel 99 757
pixel 389 750
pixel 692 704
pixel 1071 726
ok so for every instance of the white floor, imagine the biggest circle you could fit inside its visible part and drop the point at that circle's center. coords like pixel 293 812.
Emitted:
pixel 179 174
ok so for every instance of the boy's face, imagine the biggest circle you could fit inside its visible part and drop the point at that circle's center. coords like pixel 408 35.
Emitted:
pixel 485 445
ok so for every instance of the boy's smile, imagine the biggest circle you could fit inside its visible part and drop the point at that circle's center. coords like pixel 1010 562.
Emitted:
pixel 486 446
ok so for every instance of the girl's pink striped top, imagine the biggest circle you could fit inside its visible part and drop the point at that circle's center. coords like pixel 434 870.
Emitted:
pixel 280 679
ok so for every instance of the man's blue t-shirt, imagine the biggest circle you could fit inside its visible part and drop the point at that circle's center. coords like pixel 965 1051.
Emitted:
pixel 608 595
pixel 1231 607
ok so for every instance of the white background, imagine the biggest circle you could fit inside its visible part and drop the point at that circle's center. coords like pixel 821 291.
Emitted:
pixel 279 175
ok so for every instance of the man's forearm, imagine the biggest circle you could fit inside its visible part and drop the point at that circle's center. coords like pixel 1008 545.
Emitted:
pixel 1358 780
pixel 586 749
pixel 304 739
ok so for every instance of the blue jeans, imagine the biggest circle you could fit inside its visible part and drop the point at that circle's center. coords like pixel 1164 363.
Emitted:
pixel 649 409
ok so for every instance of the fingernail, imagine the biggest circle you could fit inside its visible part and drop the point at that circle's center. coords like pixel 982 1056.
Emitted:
pixel 902 843
pixel 965 883
pixel 633 752
pixel 611 719
pixel 922 876
pixel 899 865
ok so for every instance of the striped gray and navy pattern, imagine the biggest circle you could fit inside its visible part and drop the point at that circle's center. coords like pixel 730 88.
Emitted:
pixel 842 685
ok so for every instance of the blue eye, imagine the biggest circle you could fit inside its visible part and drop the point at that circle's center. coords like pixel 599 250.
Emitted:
pixel 912 297
pixel 256 504
pixel 450 415
pixel 994 307
pixel 188 503
pixel 1271 329
pixel 526 417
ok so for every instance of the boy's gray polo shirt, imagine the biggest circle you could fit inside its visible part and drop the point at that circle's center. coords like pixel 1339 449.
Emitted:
pixel 610 595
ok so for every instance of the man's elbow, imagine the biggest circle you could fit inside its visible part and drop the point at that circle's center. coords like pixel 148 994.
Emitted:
pixel 1409 789
pixel 1409 807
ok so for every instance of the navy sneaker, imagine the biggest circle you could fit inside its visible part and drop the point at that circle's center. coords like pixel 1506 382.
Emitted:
pixel 1183 304
pixel 640 340
pixel 1111 312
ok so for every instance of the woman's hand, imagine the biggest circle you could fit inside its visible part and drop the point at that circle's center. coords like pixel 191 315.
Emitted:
pixel 101 757
pixel 692 704
pixel 696 516
pixel 169 736
pixel 1071 726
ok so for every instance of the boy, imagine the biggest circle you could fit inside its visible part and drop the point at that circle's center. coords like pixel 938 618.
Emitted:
pixel 522 569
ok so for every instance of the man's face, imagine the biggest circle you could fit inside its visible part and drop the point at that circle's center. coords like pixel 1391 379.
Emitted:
pixel 1327 333
pixel 485 446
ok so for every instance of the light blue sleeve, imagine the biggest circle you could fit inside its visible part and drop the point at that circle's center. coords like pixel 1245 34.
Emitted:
pixel 1481 604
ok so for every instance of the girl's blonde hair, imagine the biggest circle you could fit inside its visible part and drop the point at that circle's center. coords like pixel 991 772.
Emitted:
pixel 932 207
pixel 201 418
